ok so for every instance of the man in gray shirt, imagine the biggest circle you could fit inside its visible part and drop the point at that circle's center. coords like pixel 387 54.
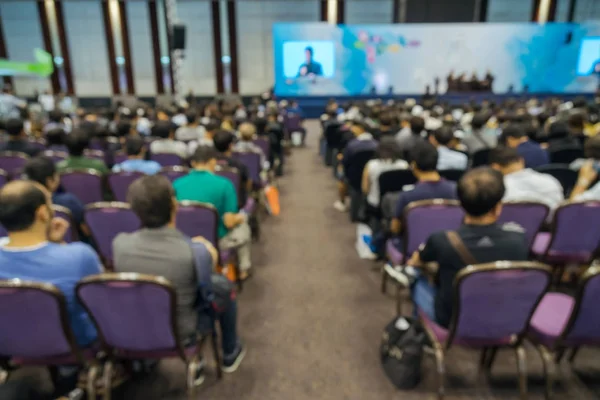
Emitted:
pixel 160 249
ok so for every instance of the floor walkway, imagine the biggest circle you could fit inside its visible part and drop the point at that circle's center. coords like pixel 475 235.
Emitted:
pixel 312 316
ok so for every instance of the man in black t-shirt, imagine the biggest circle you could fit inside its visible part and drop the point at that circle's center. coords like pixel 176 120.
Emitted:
pixel 18 139
pixel 223 142
pixel 480 192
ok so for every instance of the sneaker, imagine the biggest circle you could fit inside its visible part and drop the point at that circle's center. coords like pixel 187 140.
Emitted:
pixel 341 207
pixel 199 378
pixel 231 364
pixel 397 273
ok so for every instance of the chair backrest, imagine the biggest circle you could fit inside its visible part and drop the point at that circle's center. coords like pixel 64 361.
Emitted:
pixel 583 326
pixel 63 212
pixel 174 173
pixel 252 161
pixel 3 177
pixel 38 144
pixel 198 219
pixel 333 135
pixel 483 311
pixel 167 159
pixel 94 154
pixel 575 230
pixel 233 175
pixel 85 184
pixel 292 122
pixel 119 157
pixel 529 215
pixel 566 154
pixel 119 183
pixel 55 156
pixel 480 157
pixel 423 218
pixel 356 165
pixel 34 320
pixel 452 174
pixel 132 312
pixel 106 220
pixel 395 180
pixel 565 175
pixel 264 144
pixel 13 162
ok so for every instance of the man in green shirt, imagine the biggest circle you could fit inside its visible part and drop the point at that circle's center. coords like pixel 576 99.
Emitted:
pixel 76 142
pixel 204 186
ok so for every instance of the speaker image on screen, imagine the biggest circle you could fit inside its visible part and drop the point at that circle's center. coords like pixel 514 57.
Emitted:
pixel 178 37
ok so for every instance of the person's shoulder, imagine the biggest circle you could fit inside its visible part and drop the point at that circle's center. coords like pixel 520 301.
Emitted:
pixel 124 239
pixel 74 251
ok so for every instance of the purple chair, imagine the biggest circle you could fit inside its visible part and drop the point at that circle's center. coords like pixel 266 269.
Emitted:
pixel 232 174
pixel 562 322
pixel 264 144
pixel 135 315
pixel 119 183
pixel 174 173
pixel 36 330
pixel 167 159
pixel 529 215
pixel 94 154
pixel 566 244
pixel 106 220
pixel 55 156
pixel 3 177
pixel 38 144
pixel 252 161
pixel 63 212
pixel 119 157
pixel 484 317
pixel 13 162
pixel 99 144
pixel 85 184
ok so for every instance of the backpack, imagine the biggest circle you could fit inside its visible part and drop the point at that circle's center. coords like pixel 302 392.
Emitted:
pixel 401 352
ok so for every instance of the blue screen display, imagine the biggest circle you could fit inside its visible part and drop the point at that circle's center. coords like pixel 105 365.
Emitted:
pixel 297 53
pixel 589 56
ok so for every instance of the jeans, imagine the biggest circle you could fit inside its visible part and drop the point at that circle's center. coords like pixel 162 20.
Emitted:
pixel 423 296
pixel 228 321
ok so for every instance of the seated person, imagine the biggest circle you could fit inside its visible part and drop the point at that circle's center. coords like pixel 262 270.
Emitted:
pixel 42 170
pixel 77 141
pixel 55 140
pixel 525 184
pixel 160 249
pixel 275 131
pixel 34 251
pixel 479 137
pixel 532 153
pixel 135 146
pixel 480 192
pixel 442 138
pixel 167 143
pixel 207 140
pixel 201 184
pixel 410 135
pixel 246 143
pixel 223 143
pixel 559 137
pixel 585 189
pixel 190 131
pixel 17 138
pixel 55 121
pixel 125 128
pixel 591 152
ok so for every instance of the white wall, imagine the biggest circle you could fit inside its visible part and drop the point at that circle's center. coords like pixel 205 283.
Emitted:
pixel 369 12
pixel 198 70
pixel 23 33
pixel 255 42
pixel 87 42
pixel 509 11
pixel 140 41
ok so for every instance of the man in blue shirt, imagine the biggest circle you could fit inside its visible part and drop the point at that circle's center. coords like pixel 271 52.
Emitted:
pixel 532 153
pixel 136 152
pixel 447 158
pixel 33 252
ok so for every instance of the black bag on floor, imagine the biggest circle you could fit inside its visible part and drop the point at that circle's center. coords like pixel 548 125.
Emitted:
pixel 402 351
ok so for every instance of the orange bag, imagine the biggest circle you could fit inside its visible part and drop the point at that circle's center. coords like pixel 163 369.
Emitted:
pixel 272 195
pixel 228 271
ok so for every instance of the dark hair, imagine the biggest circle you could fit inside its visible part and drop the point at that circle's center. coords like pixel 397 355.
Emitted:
pixel 55 137
pixel 444 135
pixel 417 125
pixel 76 142
pixel 123 127
pixel 592 148
pixel 577 121
pixel 18 205
pixel 14 126
pixel 162 129
pixel 39 169
pixel 223 140
pixel 151 199
pixel 55 116
pixel 425 156
pixel 504 156
pixel 514 131
pixel 389 149
pixel 212 126
pixel 480 190
pixel 204 154
pixel 191 117
pixel 310 50
pixel 558 130
pixel 479 120
pixel 261 125
pixel 134 145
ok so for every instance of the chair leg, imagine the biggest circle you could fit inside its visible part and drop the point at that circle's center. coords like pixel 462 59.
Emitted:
pixel 383 280
pixel 91 382
pixel 441 370
pixel 573 354
pixel 3 375
pixel 214 341
pixel 490 359
pixel 560 353
pixel 398 300
pixel 483 357
pixel 107 379
pixel 549 369
pixel 192 368
pixel 521 370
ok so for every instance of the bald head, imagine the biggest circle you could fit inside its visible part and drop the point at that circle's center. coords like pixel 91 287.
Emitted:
pixel 247 131
pixel 480 191
pixel 20 202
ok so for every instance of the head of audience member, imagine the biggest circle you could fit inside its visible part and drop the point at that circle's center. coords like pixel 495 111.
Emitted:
pixel 192 118
pixel 480 192
pixel 506 160
pixel 247 132
pixel 163 115
pixel 358 127
pixel 55 137
pixel 211 129
pixel 386 121
pixel 479 121
pixel 204 158
pixel 42 170
pixel 14 128
pixel 558 130
pixel 25 212
pixel 163 130
pixel 124 127
pixel 135 147
pixel 591 148
pixel 223 141
pixel 576 123
pixel 442 137
pixel 388 149
pixel 228 124
pixel 152 199
pixel 76 142
pixel 417 125
pixel 261 125
pixel 272 116
pixel 513 135
pixel 55 116
pixel 424 159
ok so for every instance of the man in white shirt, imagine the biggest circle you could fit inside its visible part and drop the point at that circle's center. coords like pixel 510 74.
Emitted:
pixel 585 189
pixel 525 184
pixel 190 131
pixel 167 144
pixel 447 158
